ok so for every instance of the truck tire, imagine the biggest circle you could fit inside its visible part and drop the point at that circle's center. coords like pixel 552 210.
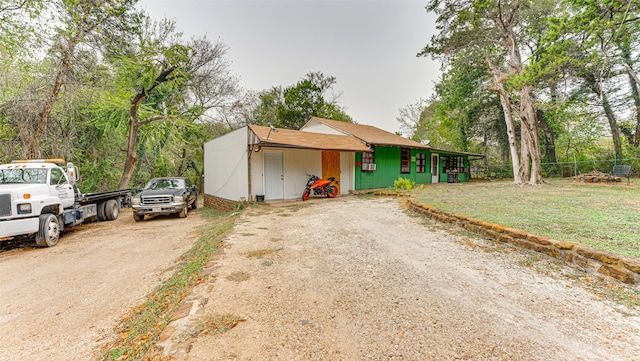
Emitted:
pixel 111 210
pixel 194 205
pixel 138 217
pixel 48 231
pixel 101 211
pixel 183 212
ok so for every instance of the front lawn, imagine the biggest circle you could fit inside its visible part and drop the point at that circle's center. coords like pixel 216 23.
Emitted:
pixel 603 216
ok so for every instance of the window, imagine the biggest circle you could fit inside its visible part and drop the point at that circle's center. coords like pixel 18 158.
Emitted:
pixel 367 159
pixel 453 164
pixel 421 163
pixel 405 160
pixel 57 177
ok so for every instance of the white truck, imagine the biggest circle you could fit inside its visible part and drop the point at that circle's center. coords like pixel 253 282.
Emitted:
pixel 41 198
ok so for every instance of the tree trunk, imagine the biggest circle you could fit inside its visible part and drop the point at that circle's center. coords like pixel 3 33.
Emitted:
pixel 550 144
pixel 132 143
pixel 529 169
pixel 530 125
pixel 42 120
pixel 181 167
pixel 511 135
pixel 635 94
pixel 613 123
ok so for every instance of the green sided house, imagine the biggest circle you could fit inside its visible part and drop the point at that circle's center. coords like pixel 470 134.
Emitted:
pixel 392 156
pixel 256 162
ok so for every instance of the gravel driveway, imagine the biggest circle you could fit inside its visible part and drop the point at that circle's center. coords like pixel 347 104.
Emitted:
pixel 361 279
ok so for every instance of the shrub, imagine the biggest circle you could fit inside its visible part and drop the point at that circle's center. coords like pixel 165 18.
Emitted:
pixel 403 184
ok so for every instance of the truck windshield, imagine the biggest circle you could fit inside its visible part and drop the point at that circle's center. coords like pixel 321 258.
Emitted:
pixel 165 184
pixel 23 175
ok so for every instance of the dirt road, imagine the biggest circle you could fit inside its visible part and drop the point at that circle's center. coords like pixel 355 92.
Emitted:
pixel 62 303
pixel 359 279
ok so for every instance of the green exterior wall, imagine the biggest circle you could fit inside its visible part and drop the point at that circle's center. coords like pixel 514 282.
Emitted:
pixel 387 160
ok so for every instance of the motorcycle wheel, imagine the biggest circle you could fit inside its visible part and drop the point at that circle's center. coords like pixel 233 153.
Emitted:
pixel 332 191
pixel 305 195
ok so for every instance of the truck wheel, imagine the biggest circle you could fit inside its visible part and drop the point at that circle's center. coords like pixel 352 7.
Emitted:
pixel 101 211
pixel 48 231
pixel 111 210
pixel 195 203
pixel 138 217
pixel 183 212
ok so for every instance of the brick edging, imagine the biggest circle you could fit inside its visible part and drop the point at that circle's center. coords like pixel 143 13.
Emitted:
pixel 620 268
pixel 220 204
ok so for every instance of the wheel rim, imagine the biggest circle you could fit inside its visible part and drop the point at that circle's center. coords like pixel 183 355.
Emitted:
pixel 53 230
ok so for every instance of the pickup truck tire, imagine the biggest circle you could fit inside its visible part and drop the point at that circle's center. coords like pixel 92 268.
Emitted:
pixel 183 212
pixel 111 210
pixel 48 231
pixel 138 217
pixel 194 205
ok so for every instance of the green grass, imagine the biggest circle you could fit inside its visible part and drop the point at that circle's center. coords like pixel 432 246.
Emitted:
pixel 605 217
pixel 141 327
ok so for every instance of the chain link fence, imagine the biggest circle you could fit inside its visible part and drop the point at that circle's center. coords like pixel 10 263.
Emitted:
pixel 556 170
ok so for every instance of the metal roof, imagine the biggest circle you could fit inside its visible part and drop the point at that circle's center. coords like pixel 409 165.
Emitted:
pixel 376 136
pixel 288 138
pixel 369 134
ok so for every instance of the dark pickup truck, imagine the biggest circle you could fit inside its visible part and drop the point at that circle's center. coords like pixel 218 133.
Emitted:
pixel 161 196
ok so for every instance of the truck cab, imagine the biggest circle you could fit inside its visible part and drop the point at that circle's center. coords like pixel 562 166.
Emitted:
pixel 40 197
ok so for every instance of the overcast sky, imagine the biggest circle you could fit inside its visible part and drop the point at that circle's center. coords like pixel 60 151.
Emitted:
pixel 369 46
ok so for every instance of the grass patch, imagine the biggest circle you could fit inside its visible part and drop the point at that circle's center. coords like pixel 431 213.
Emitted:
pixel 141 328
pixel 600 216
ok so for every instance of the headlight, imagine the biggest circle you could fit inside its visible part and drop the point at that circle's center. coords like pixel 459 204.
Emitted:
pixel 24 208
pixel 178 199
pixel 135 201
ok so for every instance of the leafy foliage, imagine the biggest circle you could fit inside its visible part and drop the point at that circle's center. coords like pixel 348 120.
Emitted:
pixel 579 58
pixel 404 184
pixel 292 106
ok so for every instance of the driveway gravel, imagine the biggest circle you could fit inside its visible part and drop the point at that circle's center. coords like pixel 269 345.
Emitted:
pixel 356 278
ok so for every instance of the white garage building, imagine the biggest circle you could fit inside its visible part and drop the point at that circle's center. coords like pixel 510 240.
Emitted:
pixel 256 162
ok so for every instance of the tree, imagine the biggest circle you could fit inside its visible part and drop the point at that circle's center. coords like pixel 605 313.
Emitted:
pixel 292 106
pixel 80 19
pixel 495 31
pixel 166 81
pixel 589 45
pixel 410 117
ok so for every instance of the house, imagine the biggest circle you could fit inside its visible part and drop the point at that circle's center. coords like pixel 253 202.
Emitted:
pixel 257 162
pixel 393 156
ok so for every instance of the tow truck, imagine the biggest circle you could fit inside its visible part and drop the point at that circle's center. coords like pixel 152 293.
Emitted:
pixel 40 198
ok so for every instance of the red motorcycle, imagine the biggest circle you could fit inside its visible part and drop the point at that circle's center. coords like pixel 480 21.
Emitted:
pixel 321 187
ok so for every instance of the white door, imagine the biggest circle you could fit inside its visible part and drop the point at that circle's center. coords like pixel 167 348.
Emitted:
pixel 273 175
pixel 435 167
pixel 60 187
